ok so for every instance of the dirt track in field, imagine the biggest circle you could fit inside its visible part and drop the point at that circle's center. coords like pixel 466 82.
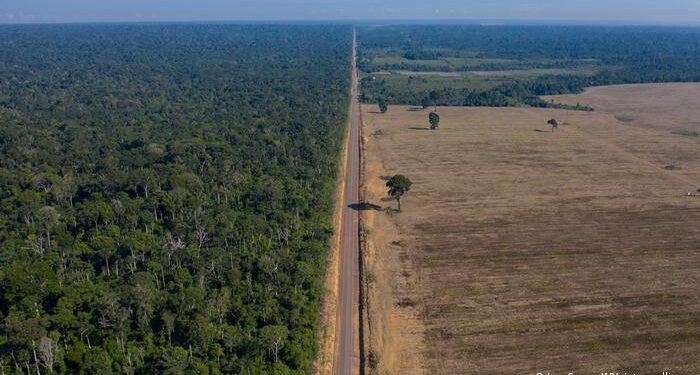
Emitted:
pixel 522 250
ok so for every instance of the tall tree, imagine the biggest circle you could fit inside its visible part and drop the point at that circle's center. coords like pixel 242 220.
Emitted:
pixel 398 186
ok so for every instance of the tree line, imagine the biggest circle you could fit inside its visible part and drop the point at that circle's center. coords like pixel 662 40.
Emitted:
pixel 618 55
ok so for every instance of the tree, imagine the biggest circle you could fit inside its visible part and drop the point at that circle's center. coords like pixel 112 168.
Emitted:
pixel 398 186
pixel 434 120
pixel 383 105
pixel 553 123
pixel 47 352
pixel 425 102
pixel 48 217
pixel 168 319
pixel 273 338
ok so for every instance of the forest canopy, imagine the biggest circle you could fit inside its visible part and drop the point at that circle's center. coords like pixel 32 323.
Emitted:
pixel 514 65
pixel 165 193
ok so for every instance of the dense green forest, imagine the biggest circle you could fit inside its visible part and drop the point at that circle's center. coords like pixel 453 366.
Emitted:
pixel 593 56
pixel 165 193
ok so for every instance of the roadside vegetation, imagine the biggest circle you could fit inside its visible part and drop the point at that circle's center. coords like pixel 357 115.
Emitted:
pixel 514 65
pixel 165 195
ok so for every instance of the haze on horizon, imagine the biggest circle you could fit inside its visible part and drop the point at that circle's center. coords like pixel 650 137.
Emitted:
pixel 618 11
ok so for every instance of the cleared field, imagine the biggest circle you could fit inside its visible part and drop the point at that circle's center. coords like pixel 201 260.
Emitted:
pixel 414 83
pixel 532 73
pixel 439 74
pixel 445 63
pixel 417 83
pixel 522 73
pixel 521 250
pixel 666 106
pixel 398 60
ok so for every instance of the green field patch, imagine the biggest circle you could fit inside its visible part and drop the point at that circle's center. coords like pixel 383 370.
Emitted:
pixel 414 82
pixel 686 133
pixel 429 74
pixel 397 60
pixel 531 73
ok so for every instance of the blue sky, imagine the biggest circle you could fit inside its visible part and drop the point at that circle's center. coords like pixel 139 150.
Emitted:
pixel 627 11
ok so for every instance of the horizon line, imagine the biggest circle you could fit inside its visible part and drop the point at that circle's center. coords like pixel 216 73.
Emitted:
pixel 379 21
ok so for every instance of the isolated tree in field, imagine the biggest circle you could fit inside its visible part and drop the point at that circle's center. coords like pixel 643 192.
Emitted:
pixel 553 123
pixel 434 120
pixel 398 186
pixel 383 105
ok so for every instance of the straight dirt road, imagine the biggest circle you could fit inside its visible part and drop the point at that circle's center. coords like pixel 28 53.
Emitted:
pixel 348 315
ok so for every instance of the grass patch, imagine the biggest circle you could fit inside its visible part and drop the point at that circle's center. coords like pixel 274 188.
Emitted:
pixel 687 133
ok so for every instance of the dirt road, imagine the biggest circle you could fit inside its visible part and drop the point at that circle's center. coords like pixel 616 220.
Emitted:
pixel 347 342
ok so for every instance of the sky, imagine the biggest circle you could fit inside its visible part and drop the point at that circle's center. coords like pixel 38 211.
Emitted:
pixel 623 11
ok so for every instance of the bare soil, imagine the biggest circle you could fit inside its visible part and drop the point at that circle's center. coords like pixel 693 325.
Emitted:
pixel 522 250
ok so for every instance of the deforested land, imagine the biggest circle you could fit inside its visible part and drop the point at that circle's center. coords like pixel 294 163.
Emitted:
pixel 521 249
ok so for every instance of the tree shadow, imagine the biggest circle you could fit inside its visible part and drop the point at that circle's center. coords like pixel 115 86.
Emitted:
pixel 365 206
pixel 417 128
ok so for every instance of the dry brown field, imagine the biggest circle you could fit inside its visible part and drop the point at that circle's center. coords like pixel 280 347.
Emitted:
pixel 522 250
pixel 673 106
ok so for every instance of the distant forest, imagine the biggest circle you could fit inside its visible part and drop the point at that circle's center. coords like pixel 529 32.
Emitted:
pixel 618 55
pixel 165 195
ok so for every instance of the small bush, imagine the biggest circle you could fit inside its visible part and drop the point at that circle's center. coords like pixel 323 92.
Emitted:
pixel 406 302
pixel 373 360
pixel 624 118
